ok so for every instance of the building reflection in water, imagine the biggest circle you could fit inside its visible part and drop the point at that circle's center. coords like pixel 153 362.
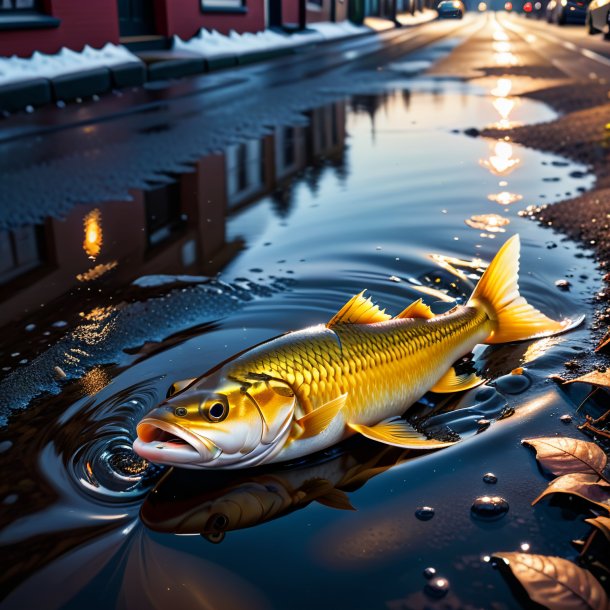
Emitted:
pixel 176 225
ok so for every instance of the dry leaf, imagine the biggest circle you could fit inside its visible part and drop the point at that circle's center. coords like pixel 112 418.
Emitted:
pixel 556 583
pixel 563 455
pixel 604 344
pixel 586 486
pixel 594 378
pixel 602 524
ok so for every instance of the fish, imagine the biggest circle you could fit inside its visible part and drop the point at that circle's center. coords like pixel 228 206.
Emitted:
pixel 309 389
pixel 182 503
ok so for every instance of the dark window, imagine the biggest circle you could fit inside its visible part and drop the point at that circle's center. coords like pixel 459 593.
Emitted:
pixel 20 251
pixel 220 5
pixel 20 5
pixel 289 142
pixel 163 212
pixel 316 2
pixel 242 167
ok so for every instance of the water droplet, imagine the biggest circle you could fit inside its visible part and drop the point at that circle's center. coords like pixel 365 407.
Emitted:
pixel 59 324
pixel 489 508
pixel 437 587
pixel 524 546
pixel 563 284
pixel 490 477
pixel 566 419
pixel 429 573
pixel 424 513
pixel 393 278
pixel 10 499
pixel 30 327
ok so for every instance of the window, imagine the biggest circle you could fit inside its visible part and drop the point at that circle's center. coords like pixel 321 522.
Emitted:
pixel 20 252
pixel 245 170
pixel 19 5
pixel 233 6
pixel 163 212
pixel 25 14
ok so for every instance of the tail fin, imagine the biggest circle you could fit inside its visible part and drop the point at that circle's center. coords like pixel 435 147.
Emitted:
pixel 498 293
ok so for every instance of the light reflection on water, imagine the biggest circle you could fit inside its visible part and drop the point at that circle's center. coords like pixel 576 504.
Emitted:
pixel 336 206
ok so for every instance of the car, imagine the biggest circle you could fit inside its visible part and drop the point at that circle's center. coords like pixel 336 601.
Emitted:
pixel 450 9
pixel 598 17
pixel 564 12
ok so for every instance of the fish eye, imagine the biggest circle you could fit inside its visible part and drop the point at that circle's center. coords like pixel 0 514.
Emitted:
pixel 180 411
pixel 218 411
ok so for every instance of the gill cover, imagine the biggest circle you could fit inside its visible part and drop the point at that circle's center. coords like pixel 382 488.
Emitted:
pixel 276 402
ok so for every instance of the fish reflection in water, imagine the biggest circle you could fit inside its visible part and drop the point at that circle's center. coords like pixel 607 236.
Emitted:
pixel 213 504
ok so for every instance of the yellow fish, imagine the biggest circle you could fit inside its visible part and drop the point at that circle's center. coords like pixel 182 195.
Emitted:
pixel 307 390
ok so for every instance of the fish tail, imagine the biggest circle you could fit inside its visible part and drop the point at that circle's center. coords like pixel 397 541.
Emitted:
pixel 498 294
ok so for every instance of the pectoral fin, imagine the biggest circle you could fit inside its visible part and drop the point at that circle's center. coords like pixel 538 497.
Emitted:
pixel 336 499
pixel 399 433
pixel 452 382
pixel 323 491
pixel 318 420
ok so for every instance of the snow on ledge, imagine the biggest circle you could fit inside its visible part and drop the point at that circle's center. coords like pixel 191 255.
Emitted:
pixel 212 44
pixel 40 65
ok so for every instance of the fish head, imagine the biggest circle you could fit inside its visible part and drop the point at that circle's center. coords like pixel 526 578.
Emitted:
pixel 218 423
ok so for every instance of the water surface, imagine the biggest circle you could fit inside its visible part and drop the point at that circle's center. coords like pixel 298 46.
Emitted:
pixel 110 305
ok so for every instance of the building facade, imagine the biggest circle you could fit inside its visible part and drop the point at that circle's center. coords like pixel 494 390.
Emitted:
pixel 48 25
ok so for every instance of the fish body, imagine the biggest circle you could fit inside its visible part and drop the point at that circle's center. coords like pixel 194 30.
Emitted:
pixel 309 389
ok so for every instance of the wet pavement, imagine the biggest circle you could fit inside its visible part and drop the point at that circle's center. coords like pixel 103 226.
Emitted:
pixel 292 201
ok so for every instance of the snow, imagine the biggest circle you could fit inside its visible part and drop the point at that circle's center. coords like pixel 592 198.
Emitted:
pixel 40 65
pixel 212 44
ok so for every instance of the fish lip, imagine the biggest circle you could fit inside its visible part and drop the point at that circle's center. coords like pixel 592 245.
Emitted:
pixel 193 441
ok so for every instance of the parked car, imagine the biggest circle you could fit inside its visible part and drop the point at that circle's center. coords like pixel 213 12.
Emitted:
pixel 564 12
pixel 598 17
pixel 450 9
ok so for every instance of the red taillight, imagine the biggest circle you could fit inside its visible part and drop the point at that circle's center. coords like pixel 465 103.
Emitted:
pixel 527 7
pixel 508 6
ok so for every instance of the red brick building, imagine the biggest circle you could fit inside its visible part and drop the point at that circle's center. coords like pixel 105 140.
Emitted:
pixel 47 25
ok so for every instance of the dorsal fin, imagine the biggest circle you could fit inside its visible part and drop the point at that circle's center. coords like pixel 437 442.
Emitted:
pixel 359 310
pixel 417 309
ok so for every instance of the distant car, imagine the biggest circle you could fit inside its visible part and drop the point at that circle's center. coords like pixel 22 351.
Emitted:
pixel 598 17
pixel 450 9
pixel 564 12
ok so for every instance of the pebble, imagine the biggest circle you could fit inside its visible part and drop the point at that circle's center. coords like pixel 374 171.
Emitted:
pixel 424 513
pixel 563 285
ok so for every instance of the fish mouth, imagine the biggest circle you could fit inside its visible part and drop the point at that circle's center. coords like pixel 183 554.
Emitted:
pixel 165 443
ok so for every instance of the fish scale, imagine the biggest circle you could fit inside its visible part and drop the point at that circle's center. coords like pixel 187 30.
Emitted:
pixel 374 363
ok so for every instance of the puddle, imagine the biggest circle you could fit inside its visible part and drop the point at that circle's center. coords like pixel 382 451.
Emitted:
pixel 377 191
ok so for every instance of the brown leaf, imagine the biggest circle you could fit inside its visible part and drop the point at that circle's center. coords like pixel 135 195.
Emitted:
pixel 563 455
pixel 589 487
pixel 602 524
pixel 604 344
pixel 556 583
pixel 594 378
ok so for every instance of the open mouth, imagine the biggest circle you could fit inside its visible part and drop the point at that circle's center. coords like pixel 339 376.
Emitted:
pixel 164 443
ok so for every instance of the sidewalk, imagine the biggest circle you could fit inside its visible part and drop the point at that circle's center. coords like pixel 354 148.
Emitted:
pixel 68 76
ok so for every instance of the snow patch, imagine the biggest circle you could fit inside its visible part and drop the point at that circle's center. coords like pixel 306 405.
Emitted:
pixel 212 44
pixel 40 65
